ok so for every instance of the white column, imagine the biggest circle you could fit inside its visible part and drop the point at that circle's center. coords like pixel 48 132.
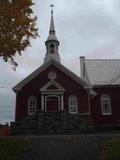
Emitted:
pixel 42 102
pixel 62 103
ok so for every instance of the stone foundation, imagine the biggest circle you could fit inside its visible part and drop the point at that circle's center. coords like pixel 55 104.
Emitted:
pixel 44 123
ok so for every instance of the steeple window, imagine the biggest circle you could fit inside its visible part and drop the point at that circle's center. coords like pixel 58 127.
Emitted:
pixel 52 49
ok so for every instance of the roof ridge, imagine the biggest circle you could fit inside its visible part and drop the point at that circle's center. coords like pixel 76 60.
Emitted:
pixel 101 59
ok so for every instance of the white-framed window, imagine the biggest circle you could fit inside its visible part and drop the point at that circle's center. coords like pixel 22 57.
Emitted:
pixel 73 107
pixel 106 104
pixel 32 105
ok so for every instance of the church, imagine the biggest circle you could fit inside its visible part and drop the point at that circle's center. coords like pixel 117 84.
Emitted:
pixel 53 99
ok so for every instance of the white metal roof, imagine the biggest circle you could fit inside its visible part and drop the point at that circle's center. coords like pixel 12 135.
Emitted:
pixel 103 71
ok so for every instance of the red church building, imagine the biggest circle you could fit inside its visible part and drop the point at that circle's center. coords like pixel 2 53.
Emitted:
pixel 53 99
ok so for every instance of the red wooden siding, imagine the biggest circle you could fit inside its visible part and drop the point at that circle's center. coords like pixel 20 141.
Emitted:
pixel 114 94
pixel 33 89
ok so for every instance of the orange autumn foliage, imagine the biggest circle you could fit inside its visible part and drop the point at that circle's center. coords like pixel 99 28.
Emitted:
pixel 17 27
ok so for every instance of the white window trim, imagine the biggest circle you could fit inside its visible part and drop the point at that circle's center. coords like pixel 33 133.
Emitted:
pixel 76 106
pixel 31 113
pixel 52 75
pixel 109 113
pixel 105 114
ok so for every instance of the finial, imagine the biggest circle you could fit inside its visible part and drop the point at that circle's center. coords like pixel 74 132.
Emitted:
pixel 51 8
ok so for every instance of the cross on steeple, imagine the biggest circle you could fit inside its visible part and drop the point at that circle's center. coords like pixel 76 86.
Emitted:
pixel 51 8
pixel 51 5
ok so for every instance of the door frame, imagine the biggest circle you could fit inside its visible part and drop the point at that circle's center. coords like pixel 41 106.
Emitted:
pixel 52 96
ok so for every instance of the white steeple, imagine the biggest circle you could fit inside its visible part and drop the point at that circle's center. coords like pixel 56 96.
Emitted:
pixel 52 43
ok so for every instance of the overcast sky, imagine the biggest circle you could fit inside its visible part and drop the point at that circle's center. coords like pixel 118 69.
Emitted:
pixel 89 28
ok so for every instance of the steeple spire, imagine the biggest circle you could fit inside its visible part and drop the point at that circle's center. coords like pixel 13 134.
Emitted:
pixel 52 28
pixel 52 35
pixel 52 43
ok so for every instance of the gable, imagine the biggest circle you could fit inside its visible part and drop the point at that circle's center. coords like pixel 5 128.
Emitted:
pixel 43 68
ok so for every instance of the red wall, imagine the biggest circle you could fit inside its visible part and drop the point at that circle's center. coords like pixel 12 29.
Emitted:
pixel 33 89
pixel 114 94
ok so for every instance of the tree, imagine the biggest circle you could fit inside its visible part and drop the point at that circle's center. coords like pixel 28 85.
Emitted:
pixel 17 27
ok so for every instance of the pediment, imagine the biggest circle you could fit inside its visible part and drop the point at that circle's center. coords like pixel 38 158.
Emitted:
pixel 52 86
pixel 65 70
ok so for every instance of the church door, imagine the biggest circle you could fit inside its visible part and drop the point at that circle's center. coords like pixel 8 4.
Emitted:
pixel 52 103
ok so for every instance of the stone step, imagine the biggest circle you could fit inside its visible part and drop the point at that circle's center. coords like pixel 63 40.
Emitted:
pixel 53 123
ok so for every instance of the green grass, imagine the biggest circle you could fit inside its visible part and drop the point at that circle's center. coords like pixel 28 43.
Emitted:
pixel 13 148
pixel 111 150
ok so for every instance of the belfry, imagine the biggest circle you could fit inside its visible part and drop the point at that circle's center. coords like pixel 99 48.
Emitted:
pixel 52 43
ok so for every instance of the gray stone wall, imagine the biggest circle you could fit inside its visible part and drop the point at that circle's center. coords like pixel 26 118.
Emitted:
pixel 52 123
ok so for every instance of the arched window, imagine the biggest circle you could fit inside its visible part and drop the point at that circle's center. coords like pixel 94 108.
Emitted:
pixel 105 104
pixel 73 107
pixel 51 48
pixel 32 105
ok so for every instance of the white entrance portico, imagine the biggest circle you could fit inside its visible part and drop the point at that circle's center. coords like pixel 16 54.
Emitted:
pixel 52 97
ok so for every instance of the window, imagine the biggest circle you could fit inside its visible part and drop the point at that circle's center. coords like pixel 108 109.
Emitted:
pixel 52 75
pixel 31 105
pixel 105 104
pixel 51 48
pixel 73 104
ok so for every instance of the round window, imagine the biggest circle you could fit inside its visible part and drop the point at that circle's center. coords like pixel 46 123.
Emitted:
pixel 52 75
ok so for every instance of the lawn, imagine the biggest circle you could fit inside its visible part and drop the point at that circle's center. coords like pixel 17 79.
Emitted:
pixel 111 150
pixel 13 148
